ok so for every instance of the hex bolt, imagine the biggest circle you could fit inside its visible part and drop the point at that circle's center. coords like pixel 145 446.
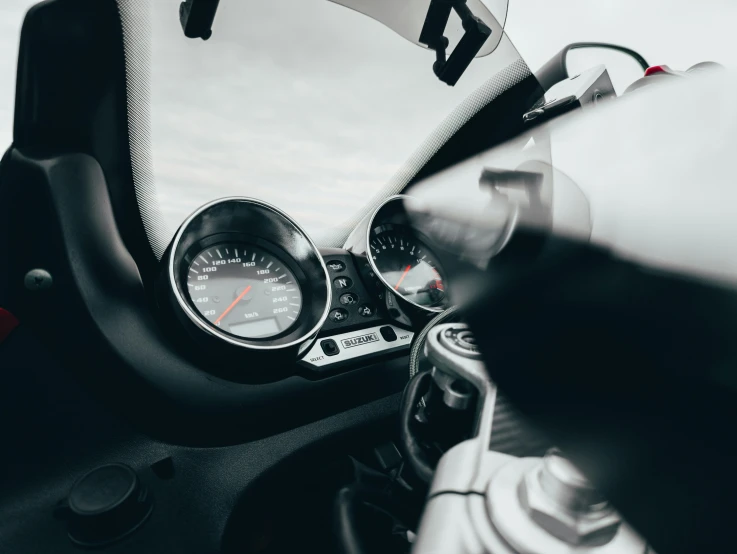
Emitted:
pixel 560 500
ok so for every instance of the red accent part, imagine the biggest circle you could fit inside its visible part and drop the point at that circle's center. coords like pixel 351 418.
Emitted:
pixel 658 69
pixel 8 322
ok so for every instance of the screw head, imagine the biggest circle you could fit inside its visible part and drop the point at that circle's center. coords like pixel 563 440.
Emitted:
pixel 38 279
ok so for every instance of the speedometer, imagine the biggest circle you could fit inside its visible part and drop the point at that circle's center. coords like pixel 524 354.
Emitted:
pixel 244 290
pixel 407 265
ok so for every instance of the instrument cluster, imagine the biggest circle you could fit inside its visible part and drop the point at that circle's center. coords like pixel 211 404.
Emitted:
pixel 244 287
pixel 402 260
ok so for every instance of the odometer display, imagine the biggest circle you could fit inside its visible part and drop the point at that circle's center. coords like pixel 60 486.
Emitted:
pixel 407 265
pixel 244 290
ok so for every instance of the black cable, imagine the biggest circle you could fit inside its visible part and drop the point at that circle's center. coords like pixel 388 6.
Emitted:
pixel 411 448
pixel 418 345
pixel 616 47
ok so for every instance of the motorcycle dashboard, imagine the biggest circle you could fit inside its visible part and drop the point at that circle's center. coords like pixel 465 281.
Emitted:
pixel 243 283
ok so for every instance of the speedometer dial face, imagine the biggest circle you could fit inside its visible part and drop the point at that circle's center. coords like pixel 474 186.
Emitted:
pixel 407 266
pixel 244 290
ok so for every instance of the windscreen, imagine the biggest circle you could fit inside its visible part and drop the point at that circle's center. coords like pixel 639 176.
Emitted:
pixel 407 18
pixel 304 104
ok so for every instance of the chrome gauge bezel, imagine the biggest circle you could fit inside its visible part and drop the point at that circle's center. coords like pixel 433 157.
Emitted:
pixel 283 235
pixel 372 223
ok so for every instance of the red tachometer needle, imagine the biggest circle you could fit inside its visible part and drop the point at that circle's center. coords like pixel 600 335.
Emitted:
pixel 227 310
pixel 404 274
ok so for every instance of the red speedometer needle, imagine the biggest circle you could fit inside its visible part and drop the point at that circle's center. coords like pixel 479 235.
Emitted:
pixel 227 310
pixel 404 274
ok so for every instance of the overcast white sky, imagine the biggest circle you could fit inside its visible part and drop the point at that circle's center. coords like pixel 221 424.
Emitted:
pixel 313 107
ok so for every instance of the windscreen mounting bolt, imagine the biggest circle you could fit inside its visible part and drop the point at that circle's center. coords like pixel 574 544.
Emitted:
pixel 38 279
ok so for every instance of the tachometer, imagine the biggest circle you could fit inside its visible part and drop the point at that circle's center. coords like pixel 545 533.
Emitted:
pixel 407 265
pixel 244 290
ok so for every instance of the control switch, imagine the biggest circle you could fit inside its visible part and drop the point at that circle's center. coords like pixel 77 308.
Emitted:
pixel 388 334
pixel 330 347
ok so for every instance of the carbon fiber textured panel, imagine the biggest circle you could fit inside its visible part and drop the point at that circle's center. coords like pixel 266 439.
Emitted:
pixel 510 434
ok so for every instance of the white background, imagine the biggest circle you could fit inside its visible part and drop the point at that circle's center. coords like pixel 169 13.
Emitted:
pixel 313 107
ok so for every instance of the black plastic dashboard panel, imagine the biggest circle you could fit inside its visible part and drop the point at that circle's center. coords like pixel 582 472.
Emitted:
pixel 55 431
pixel 71 96
pixel 98 320
pixel 354 303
